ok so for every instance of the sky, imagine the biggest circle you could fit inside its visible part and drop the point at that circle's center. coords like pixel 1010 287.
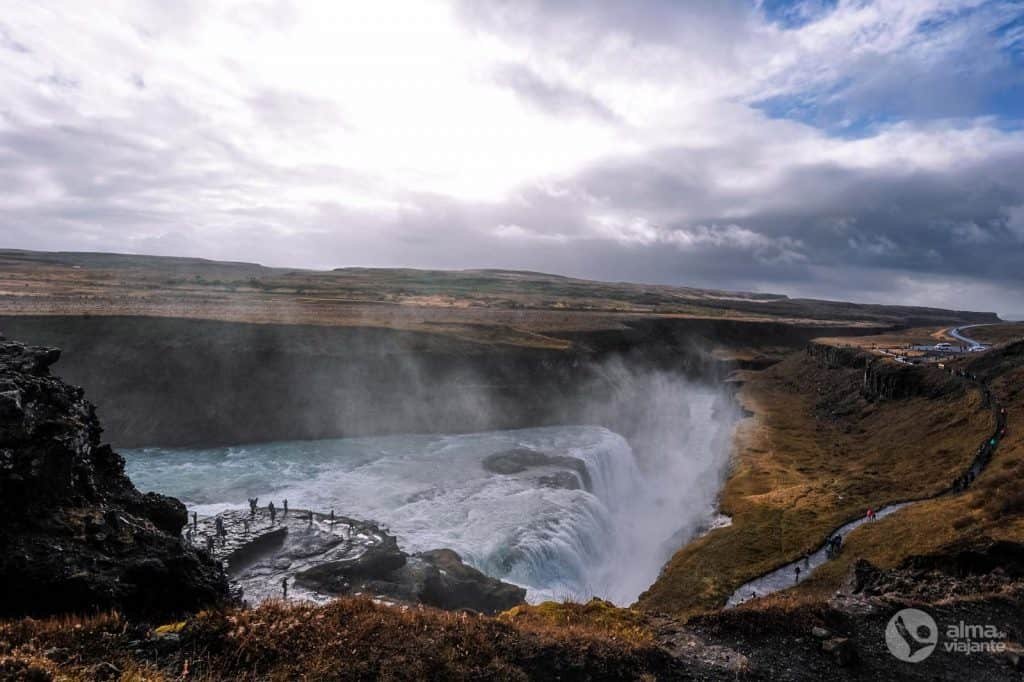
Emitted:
pixel 846 149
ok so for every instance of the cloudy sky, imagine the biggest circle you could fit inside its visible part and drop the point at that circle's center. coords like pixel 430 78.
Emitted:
pixel 848 149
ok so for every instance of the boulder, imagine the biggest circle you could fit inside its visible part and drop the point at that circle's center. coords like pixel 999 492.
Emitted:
pixel 376 563
pixel 841 650
pixel 518 460
pixel 453 585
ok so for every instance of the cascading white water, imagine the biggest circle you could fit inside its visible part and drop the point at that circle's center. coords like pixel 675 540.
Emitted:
pixel 434 491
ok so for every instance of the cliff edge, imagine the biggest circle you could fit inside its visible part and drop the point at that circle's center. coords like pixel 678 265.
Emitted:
pixel 77 536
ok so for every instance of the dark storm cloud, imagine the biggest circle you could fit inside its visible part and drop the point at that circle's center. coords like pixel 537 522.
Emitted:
pixel 957 222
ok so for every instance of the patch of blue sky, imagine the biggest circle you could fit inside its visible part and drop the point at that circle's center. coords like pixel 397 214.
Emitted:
pixel 824 109
pixel 984 78
pixel 793 14
pixel 1010 35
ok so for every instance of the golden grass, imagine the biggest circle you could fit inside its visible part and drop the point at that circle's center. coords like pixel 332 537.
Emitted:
pixel 596 619
pixel 992 508
pixel 816 455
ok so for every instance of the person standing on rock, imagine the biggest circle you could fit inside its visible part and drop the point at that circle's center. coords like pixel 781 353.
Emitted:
pixel 285 505
pixel 195 521
pixel 310 518
pixel 796 572
pixel 273 512
pixel 221 532
pixel 871 514
pixel 284 587
pixel 332 518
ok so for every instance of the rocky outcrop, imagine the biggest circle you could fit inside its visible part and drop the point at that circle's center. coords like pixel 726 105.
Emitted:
pixel 883 378
pixel 77 536
pixel 989 567
pixel 518 460
pixel 838 357
pixel 451 584
pixel 322 557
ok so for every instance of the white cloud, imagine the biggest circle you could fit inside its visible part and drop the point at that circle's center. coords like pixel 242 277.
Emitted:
pixel 381 133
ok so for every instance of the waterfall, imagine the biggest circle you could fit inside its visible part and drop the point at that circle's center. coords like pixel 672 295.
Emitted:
pixel 529 527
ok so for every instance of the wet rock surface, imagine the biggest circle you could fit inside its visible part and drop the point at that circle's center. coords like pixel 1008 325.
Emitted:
pixel 518 460
pixel 322 557
pixel 77 535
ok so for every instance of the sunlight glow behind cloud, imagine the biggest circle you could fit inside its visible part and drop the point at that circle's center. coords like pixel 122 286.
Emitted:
pixel 730 143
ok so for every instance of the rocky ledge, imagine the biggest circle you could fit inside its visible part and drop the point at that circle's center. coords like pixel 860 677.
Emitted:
pixel 322 557
pixel 77 536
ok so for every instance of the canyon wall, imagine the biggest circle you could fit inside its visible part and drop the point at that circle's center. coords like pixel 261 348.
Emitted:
pixel 184 382
pixel 884 378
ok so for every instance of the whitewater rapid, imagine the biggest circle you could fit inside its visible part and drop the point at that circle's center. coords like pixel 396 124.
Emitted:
pixel 433 491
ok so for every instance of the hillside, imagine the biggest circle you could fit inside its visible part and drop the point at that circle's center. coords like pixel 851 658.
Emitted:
pixel 519 308
pixel 835 431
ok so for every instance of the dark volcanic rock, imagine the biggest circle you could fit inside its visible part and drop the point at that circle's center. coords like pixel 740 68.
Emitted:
pixel 375 562
pixel 518 460
pixel 327 556
pixel 77 535
pixel 454 585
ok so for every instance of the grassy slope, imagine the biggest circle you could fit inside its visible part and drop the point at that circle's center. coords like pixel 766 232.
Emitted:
pixel 998 333
pixel 993 508
pixel 815 456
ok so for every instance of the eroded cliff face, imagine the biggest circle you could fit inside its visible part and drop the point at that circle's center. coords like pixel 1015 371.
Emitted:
pixel 184 382
pixel 76 534
pixel 884 379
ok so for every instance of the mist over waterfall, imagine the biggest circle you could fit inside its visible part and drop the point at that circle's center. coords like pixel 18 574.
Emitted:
pixel 565 511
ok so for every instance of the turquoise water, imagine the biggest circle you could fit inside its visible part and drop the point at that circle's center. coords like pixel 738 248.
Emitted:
pixel 433 491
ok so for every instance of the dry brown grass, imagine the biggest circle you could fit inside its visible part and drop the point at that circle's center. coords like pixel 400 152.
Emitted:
pixel 916 336
pixel 993 508
pixel 815 456
pixel 346 639
pixel 508 308
pixel 998 333
pixel 596 619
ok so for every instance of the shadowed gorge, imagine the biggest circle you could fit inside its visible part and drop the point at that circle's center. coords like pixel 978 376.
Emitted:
pixel 513 340
pixel 647 464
